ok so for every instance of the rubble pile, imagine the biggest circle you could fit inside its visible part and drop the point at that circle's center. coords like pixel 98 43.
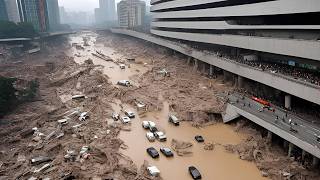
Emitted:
pixel 67 134
pixel 181 148
pixel 190 95
pixel 271 161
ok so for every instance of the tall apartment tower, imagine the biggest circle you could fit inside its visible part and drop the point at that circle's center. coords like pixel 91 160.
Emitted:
pixel 131 13
pixel 3 11
pixel 12 10
pixel 53 14
pixel 35 12
pixel 107 8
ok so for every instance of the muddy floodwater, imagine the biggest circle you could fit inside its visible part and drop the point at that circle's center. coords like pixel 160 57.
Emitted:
pixel 215 164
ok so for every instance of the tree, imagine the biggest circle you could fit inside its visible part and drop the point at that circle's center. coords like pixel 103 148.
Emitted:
pixel 7 94
pixel 11 30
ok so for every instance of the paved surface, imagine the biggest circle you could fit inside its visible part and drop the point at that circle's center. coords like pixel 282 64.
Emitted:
pixel 298 127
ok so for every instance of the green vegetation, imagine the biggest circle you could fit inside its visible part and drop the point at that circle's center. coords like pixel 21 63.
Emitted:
pixel 21 30
pixel 10 96
pixel 30 91
pixel 7 94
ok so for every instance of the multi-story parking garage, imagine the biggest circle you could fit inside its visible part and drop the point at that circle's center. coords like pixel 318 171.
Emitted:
pixel 270 43
pixel 284 32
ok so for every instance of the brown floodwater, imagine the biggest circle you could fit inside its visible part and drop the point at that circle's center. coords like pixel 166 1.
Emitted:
pixel 111 69
pixel 215 164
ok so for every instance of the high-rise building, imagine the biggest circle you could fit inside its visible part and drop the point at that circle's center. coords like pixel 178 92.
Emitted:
pixel 108 10
pixel 98 15
pixel 63 15
pixel 3 11
pixel 53 14
pixel 12 10
pixel 35 12
pixel 131 13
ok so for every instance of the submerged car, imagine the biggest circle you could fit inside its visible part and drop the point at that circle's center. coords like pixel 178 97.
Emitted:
pixel 148 124
pixel 150 136
pixel 124 83
pixel 83 116
pixel 174 120
pixel 130 114
pixel 160 136
pixel 115 116
pixel 166 151
pixel 125 119
pixel 194 172
pixel 199 138
pixel 153 170
pixel 122 66
pixel 145 124
pixel 153 152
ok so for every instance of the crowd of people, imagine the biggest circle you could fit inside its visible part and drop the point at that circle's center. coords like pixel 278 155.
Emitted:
pixel 298 73
pixel 287 70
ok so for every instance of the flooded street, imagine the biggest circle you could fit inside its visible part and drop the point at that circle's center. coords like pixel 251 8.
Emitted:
pixel 110 68
pixel 215 164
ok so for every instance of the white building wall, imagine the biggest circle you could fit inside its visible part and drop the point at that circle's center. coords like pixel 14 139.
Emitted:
pixel 131 13
pixel 12 10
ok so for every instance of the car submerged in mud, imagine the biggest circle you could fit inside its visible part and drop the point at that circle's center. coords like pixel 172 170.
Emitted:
pixel 194 172
pixel 124 83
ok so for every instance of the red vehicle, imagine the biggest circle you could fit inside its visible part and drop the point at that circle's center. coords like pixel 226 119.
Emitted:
pixel 261 101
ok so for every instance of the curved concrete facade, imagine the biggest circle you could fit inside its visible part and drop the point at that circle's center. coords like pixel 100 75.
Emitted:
pixel 221 25
pixel 282 27
pixel 180 3
pixel 289 47
pixel 291 86
pixel 154 1
pixel 257 9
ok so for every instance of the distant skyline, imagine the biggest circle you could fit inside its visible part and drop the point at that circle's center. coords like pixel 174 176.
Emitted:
pixel 83 5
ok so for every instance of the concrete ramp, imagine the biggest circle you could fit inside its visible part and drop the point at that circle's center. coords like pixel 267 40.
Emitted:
pixel 230 114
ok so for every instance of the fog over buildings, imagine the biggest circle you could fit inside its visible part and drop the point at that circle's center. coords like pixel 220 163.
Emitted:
pixel 88 12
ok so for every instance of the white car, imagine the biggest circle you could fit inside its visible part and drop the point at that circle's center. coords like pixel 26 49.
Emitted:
pixel 115 116
pixel 124 83
pixel 130 114
pixel 148 124
pixel 153 170
pixel 150 136
pixel 125 119
pixel 83 116
pixel 160 136
pixel 122 66
pixel 173 119
pixel 145 124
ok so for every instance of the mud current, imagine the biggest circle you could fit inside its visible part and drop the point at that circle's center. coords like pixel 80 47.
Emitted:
pixel 215 164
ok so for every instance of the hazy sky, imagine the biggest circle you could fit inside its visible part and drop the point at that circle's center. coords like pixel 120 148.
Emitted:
pixel 82 5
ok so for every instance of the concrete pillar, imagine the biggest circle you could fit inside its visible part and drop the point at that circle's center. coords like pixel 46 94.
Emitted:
pixel 303 155
pixel 315 161
pixel 211 70
pixel 287 101
pixel 204 68
pixel 269 137
pixel 291 146
pixel 196 64
pixel 225 75
pixel 240 81
pixel 188 60
pixel 285 144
